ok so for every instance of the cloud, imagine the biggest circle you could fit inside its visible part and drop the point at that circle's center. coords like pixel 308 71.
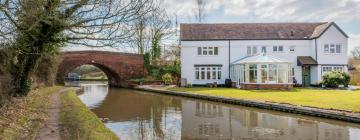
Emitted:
pixel 274 10
pixel 354 41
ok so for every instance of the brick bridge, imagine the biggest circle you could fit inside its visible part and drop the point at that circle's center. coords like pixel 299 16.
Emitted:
pixel 117 66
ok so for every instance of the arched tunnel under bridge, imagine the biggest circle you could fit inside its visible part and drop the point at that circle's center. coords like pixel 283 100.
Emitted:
pixel 117 66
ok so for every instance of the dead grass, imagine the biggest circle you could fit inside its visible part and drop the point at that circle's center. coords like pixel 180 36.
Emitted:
pixel 22 118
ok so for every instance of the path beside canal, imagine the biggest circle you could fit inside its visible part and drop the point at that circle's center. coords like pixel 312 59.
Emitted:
pixel 51 128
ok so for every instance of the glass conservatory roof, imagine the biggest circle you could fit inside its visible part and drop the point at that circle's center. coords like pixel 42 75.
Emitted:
pixel 261 58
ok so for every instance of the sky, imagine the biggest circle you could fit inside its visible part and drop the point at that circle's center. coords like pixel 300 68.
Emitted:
pixel 345 13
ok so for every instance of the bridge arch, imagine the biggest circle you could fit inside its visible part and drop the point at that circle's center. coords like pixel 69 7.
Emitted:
pixel 118 67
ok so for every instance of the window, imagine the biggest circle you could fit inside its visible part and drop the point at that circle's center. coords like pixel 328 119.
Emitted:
pixel 253 73
pixel 263 49
pixel 292 49
pixel 254 50
pixel 251 50
pixel 274 48
pixel 197 74
pixel 272 73
pixel 208 73
pixel 248 50
pixel 281 49
pixel 338 48
pixel 326 48
pixel 332 68
pixel 278 48
pixel 208 50
pixel 332 48
pixel 264 72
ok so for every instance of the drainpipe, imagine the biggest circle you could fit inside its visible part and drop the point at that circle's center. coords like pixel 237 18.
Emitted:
pixel 229 58
pixel 316 50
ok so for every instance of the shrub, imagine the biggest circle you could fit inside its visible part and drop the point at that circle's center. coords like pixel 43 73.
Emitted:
pixel 335 78
pixel 167 78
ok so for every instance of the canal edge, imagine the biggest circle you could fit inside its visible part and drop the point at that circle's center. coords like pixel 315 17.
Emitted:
pixel 310 111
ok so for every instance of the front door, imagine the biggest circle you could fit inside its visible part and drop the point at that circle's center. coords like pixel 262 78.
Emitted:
pixel 306 76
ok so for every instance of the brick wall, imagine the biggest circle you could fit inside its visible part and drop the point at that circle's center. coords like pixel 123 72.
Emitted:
pixel 267 86
pixel 117 66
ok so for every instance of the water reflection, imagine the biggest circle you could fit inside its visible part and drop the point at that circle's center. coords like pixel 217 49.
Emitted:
pixel 143 115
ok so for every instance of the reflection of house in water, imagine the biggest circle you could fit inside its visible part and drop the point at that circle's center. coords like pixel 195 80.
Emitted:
pixel 206 120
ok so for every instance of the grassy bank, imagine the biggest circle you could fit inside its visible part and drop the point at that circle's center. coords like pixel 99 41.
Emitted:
pixel 328 99
pixel 79 122
pixel 22 118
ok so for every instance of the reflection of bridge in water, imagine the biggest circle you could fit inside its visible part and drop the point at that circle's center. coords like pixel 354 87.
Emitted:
pixel 117 66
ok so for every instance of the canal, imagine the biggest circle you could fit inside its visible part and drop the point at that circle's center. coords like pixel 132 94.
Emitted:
pixel 135 115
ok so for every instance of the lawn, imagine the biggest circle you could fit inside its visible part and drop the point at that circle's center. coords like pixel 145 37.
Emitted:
pixel 79 122
pixel 328 99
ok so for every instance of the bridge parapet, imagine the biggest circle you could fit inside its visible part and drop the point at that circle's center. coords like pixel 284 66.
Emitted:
pixel 116 65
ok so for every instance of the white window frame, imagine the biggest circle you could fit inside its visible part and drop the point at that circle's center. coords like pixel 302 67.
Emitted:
pixel 251 50
pixel 325 69
pixel 208 51
pixel 276 48
pixel 209 72
pixel 333 48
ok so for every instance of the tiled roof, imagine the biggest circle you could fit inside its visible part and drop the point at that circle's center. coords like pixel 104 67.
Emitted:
pixel 252 31
pixel 305 60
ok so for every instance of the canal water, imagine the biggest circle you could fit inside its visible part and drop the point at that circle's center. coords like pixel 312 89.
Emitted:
pixel 134 115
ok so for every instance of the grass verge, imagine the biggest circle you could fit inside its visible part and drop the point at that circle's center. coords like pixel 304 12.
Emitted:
pixel 78 122
pixel 22 118
pixel 327 99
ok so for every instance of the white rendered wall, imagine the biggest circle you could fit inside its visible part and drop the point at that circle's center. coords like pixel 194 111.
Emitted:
pixel 189 58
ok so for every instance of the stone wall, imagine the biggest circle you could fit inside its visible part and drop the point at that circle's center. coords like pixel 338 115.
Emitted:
pixel 267 86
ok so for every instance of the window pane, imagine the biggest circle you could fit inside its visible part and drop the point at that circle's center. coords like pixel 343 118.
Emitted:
pixel 197 75
pixel 215 50
pixel 202 75
pixel 208 75
pixel 282 73
pixel 219 74
pixel 248 50
pixel 264 71
pixel 254 50
pixel 263 49
pixel 274 48
pixel 252 73
pixel 214 75
pixel 332 48
pixel 204 51
pixel 338 48
pixel 326 48
pixel 281 48
pixel 272 73
pixel 199 50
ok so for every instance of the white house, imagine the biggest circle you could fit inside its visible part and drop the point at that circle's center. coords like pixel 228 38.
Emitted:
pixel 261 53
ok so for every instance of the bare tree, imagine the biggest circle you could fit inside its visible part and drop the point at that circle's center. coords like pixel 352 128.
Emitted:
pixel 200 11
pixel 39 27
pixel 356 53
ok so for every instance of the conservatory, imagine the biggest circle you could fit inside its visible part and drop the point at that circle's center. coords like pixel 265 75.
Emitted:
pixel 262 72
